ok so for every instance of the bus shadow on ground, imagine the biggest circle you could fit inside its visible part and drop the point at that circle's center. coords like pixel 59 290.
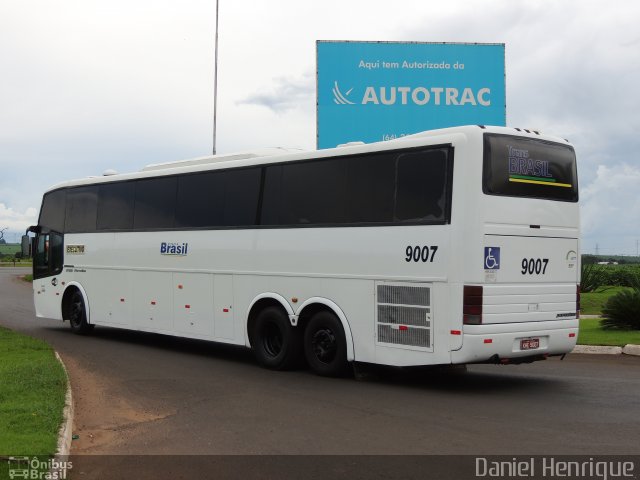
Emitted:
pixel 205 348
pixel 476 379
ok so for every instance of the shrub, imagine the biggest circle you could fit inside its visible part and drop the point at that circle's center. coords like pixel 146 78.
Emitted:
pixel 634 281
pixel 610 275
pixel 622 311
pixel 622 276
pixel 593 277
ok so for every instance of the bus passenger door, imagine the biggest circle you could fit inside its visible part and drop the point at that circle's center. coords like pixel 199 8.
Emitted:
pixel 48 261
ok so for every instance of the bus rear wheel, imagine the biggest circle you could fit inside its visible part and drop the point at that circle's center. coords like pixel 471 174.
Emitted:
pixel 275 343
pixel 77 314
pixel 325 345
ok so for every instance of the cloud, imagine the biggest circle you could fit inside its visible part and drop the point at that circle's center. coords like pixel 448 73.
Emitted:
pixel 610 209
pixel 17 221
pixel 286 93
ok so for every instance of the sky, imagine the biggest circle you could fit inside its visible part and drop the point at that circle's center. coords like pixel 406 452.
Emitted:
pixel 91 85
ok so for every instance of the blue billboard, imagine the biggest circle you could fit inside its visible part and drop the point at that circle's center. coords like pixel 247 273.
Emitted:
pixel 374 91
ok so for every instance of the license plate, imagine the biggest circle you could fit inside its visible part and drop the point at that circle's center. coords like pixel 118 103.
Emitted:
pixel 529 343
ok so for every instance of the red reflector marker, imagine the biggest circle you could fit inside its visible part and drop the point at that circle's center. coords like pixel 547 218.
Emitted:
pixel 403 328
pixel 488 340
pixel 153 303
pixel 187 306
pixel 456 332
pixel 225 310
pixel 571 335
pixel 122 299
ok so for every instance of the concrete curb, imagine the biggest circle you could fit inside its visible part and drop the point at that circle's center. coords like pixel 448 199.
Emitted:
pixel 65 433
pixel 597 350
pixel 601 350
pixel 631 350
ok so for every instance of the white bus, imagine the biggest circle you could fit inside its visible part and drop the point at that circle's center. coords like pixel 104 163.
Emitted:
pixel 450 246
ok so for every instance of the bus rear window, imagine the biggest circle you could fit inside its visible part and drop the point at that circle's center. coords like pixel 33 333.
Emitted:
pixel 527 167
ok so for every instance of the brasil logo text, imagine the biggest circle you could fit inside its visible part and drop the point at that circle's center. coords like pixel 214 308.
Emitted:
pixel 179 249
pixel 524 169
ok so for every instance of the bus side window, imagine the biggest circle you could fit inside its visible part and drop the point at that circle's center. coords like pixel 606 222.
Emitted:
pixel 421 180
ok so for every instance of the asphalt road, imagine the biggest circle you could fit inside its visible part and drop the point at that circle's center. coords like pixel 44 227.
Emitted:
pixel 151 394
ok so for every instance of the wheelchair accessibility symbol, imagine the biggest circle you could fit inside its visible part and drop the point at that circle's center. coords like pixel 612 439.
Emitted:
pixel 491 258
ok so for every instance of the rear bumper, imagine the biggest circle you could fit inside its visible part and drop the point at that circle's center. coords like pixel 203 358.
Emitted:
pixel 496 342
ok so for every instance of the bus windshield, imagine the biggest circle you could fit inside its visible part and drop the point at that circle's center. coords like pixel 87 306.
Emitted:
pixel 527 167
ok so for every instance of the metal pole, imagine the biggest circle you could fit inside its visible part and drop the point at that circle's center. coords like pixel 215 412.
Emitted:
pixel 215 84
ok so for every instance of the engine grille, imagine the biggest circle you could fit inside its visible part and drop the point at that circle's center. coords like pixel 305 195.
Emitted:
pixel 404 315
pixel 404 295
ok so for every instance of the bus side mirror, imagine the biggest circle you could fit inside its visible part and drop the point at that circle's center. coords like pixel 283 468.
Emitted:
pixel 26 246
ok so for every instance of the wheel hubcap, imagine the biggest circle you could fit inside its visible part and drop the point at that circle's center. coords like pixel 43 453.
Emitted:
pixel 324 345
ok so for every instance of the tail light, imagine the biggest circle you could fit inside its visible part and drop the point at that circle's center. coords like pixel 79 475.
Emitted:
pixel 578 301
pixel 472 305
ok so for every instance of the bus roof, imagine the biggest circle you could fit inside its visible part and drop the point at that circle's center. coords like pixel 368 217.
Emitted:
pixel 280 154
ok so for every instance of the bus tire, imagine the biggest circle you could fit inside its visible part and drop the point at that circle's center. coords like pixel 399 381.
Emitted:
pixel 325 345
pixel 275 343
pixel 77 314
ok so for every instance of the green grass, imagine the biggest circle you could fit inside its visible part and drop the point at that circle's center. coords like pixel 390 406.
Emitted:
pixel 9 249
pixel 592 303
pixel 591 333
pixel 7 255
pixel 32 394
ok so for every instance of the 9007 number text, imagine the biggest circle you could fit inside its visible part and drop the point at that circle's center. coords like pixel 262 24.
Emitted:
pixel 535 266
pixel 420 253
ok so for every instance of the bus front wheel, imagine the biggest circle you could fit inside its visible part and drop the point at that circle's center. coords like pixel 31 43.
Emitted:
pixel 77 314
pixel 275 343
pixel 325 345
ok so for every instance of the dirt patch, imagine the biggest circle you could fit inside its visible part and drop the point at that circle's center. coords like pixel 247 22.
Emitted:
pixel 20 280
pixel 104 417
